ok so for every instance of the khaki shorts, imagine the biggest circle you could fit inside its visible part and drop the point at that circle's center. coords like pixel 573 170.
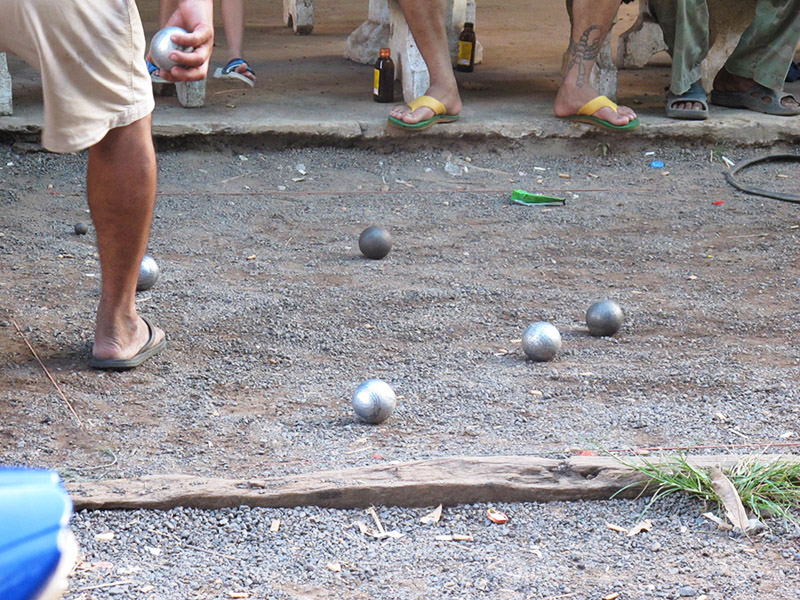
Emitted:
pixel 91 57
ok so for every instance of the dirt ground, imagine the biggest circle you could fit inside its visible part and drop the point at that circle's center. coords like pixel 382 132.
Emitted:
pixel 273 317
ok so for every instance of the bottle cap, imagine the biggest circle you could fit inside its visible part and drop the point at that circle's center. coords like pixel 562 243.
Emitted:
pixel 385 52
pixel 468 24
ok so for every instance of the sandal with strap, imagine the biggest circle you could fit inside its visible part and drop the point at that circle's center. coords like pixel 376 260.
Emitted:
pixel 695 93
pixel 440 114
pixel 229 71
pixel 154 76
pixel 586 115
pixel 758 98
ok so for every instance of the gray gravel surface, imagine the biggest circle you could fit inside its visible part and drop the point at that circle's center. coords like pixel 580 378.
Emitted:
pixel 273 318
pixel 554 550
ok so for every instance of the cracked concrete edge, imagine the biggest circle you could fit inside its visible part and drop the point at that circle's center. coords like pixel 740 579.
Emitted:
pixel 758 130
pixel 738 131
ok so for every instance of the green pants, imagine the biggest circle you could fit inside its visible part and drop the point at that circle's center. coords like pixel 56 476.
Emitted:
pixel 764 52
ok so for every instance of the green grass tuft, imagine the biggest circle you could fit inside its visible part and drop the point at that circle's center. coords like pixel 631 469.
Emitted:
pixel 767 489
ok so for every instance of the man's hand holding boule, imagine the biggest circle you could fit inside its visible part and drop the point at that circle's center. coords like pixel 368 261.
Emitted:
pixel 197 18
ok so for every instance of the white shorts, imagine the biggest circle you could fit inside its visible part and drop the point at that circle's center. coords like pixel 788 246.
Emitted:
pixel 91 57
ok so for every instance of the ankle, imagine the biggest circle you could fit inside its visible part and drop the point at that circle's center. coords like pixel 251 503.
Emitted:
pixel 727 81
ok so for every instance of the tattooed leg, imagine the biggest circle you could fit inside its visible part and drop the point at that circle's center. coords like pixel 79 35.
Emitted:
pixel 591 22
pixel 584 51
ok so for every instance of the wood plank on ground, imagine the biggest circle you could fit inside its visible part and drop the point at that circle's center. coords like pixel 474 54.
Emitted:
pixel 448 481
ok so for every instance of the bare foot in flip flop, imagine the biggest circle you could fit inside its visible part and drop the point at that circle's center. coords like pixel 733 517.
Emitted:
pixel 245 69
pixel 447 95
pixel 127 346
pixel 571 98
pixel 239 69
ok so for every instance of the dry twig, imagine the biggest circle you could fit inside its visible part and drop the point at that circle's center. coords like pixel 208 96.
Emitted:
pixel 50 377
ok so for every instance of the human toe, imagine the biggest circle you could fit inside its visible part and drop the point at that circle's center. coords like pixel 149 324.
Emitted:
pixel 612 116
pixel 627 112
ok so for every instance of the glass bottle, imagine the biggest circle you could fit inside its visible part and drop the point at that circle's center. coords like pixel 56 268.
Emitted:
pixel 383 78
pixel 466 49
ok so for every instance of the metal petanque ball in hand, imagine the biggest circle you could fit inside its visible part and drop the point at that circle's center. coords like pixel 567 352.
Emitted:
pixel 604 317
pixel 161 45
pixel 374 401
pixel 375 242
pixel 541 341
pixel 148 274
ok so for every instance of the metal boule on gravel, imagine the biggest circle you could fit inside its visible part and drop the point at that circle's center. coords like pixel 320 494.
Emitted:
pixel 374 401
pixel 375 242
pixel 81 229
pixel 541 341
pixel 604 318
pixel 148 274
pixel 161 45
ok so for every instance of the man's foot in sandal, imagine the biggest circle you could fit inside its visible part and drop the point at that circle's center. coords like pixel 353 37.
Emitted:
pixel 154 76
pixel 691 105
pixel 127 348
pixel 436 106
pixel 734 91
pixel 239 69
pixel 584 105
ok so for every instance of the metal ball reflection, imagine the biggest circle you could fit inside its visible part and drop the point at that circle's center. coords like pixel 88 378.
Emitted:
pixel 375 242
pixel 541 341
pixel 604 318
pixel 374 401
pixel 148 273
pixel 161 45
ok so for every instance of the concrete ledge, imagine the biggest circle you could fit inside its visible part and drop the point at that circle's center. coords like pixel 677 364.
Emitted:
pixel 736 127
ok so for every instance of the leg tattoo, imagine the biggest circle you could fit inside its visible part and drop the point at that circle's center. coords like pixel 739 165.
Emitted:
pixel 584 51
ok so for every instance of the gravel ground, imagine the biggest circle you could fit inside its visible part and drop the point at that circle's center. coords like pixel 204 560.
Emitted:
pixel 554 550
pixel 273 318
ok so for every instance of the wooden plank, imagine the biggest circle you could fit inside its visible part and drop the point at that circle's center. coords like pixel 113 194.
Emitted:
pixel 448 481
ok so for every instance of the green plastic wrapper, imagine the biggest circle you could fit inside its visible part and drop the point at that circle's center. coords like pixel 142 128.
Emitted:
pixel 528 199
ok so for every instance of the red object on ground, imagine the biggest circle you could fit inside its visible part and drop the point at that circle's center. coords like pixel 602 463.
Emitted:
pixel 587 453
pixel 495 516
pixel 718 202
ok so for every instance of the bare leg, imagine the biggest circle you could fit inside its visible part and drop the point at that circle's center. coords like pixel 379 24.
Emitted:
pixel 121 186
pixel 426 20
pixel 165 10
pixel 233 22
pixel 592 20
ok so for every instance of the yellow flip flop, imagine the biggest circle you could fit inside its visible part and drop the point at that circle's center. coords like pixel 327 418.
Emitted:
pixel 439 114
pixel 586 115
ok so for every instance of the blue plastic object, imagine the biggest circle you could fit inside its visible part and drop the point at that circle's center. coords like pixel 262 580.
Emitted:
pixel 34 516
pixel 657 164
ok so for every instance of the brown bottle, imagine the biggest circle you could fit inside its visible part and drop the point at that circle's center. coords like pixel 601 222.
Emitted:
pixel 383 78
pixel 466 49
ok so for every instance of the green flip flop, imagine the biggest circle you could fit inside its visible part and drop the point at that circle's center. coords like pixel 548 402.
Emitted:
pixel 586 115
pixel 440 114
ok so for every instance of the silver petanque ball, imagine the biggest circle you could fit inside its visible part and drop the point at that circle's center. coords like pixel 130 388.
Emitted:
pixel 375 242
pixel 161 45
pixel 604 317
pixel 374 401
pixel 148 274
pixel 541 341
pixel 81 229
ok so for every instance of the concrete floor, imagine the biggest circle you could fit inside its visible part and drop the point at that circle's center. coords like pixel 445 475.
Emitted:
pixel 305 87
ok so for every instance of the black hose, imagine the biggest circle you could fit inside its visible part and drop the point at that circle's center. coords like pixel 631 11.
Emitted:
pixel 731 177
